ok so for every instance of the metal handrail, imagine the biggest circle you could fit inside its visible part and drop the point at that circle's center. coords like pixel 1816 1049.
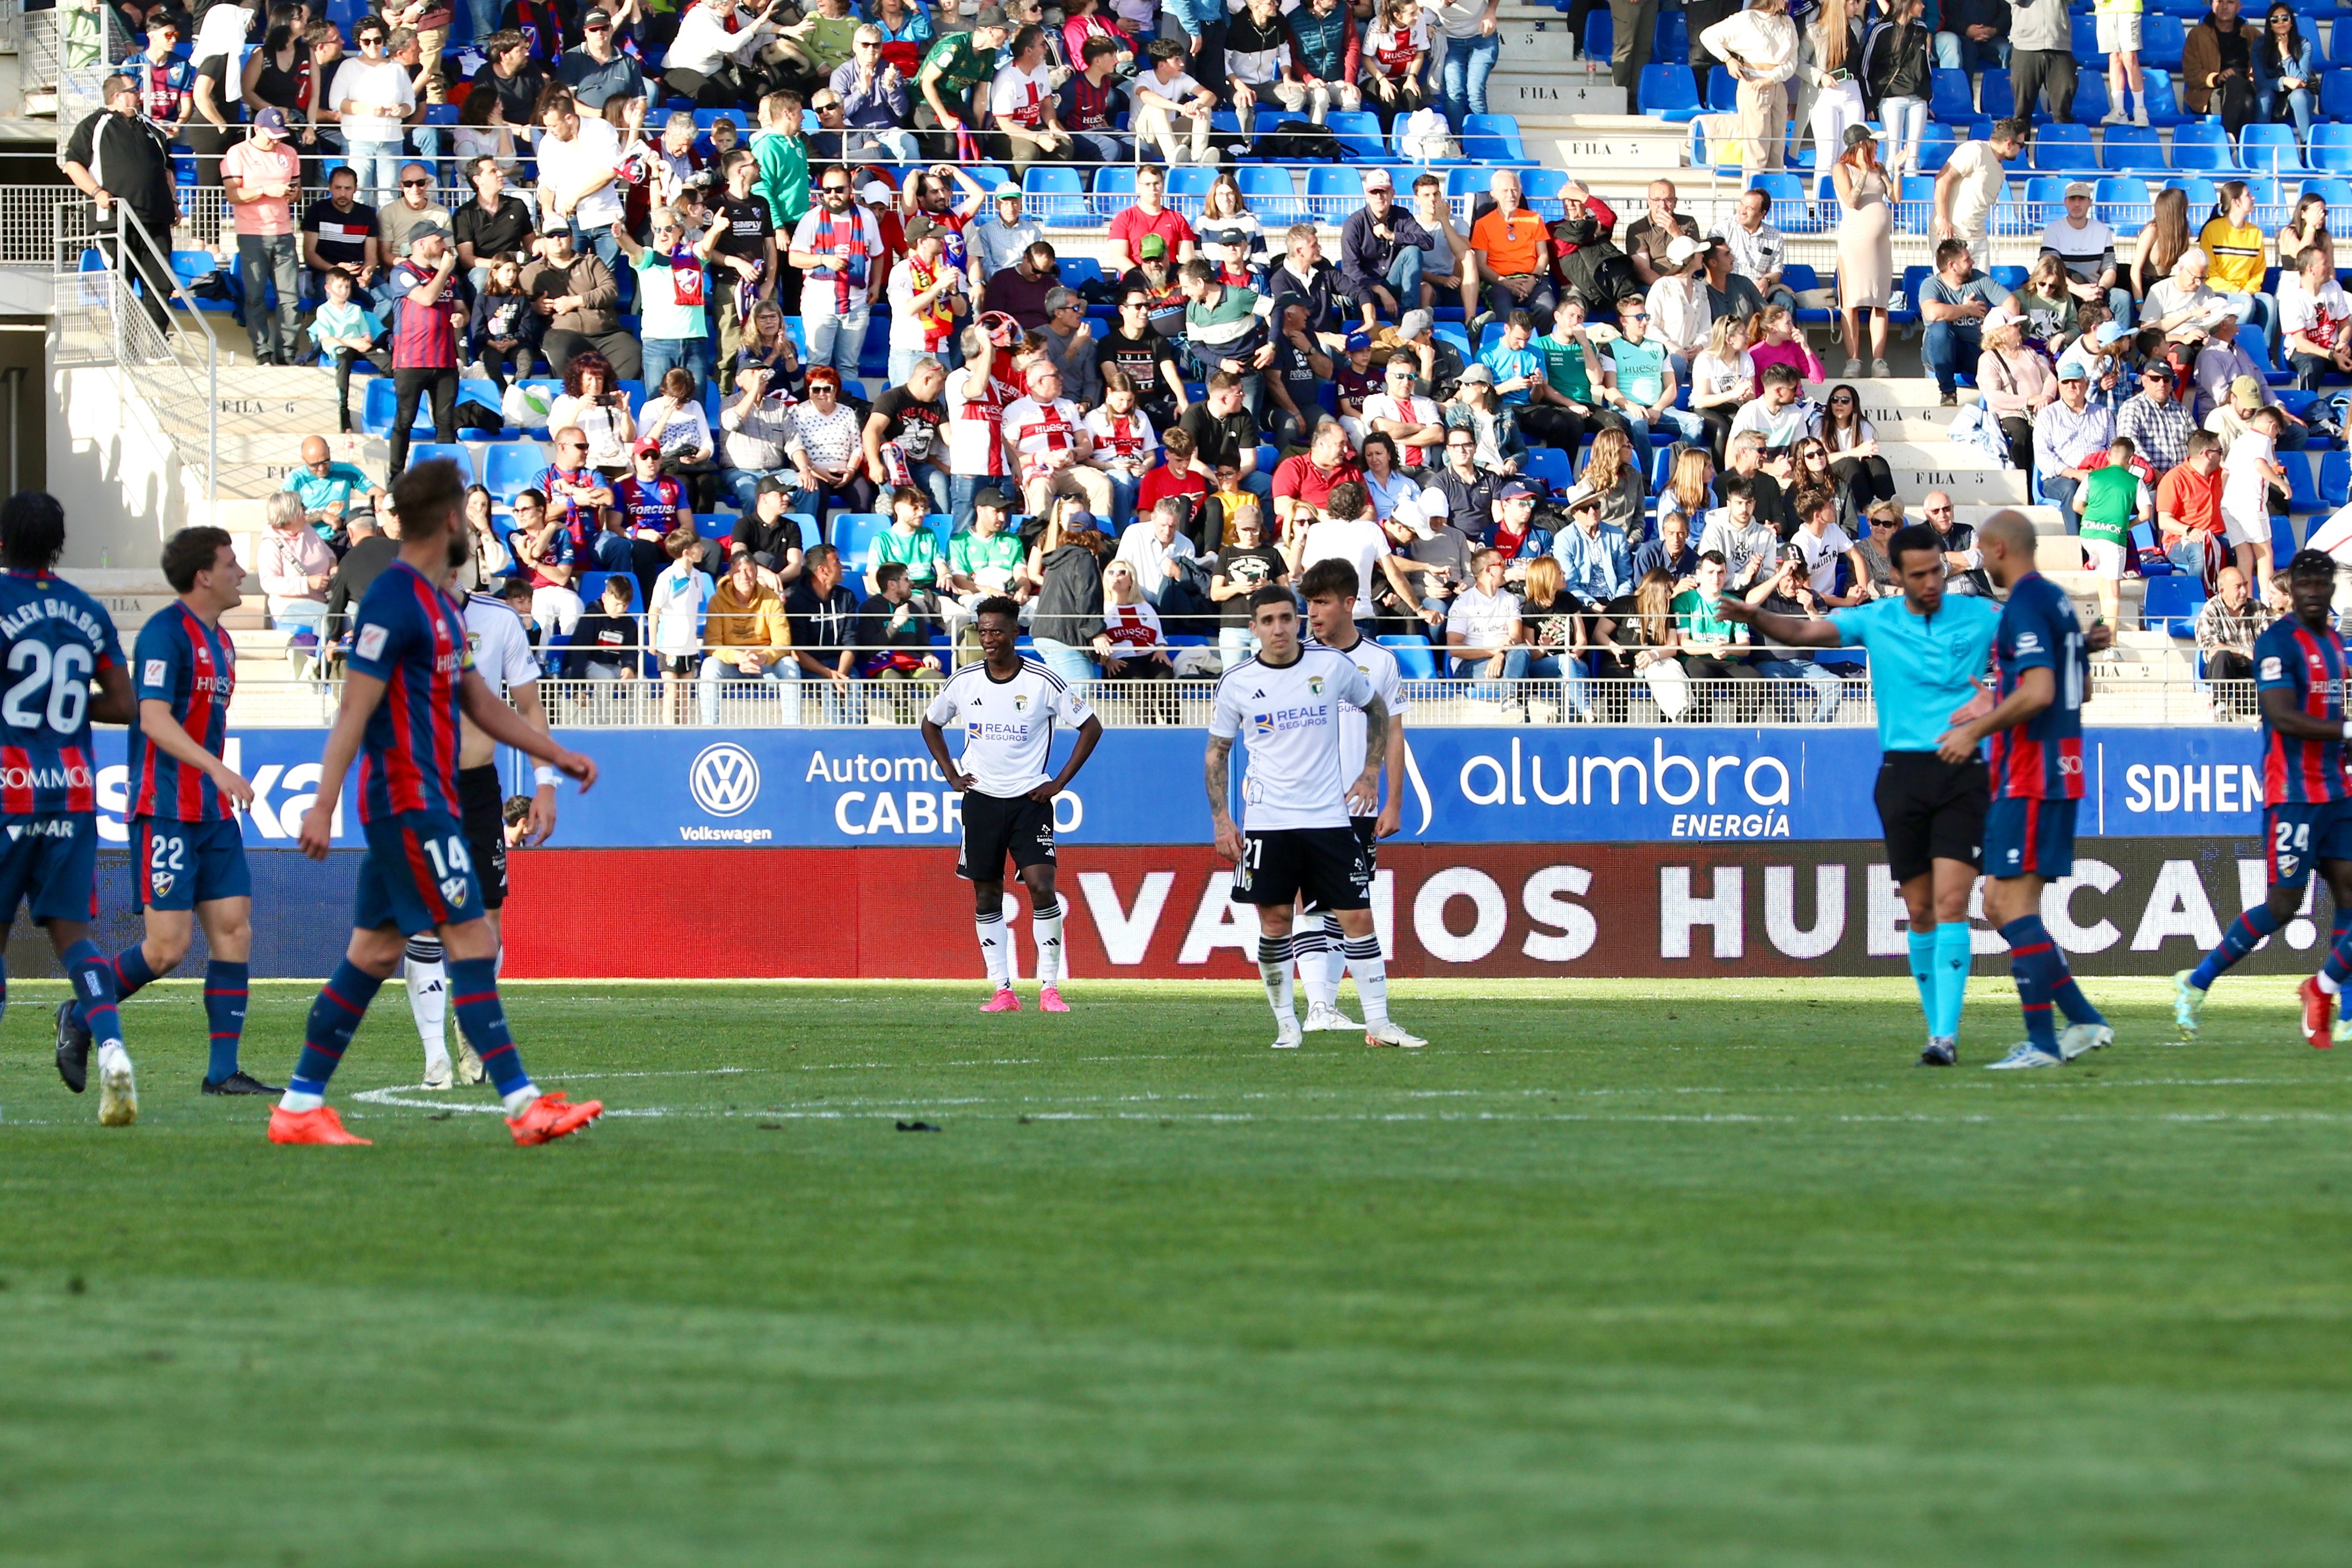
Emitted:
pixel 151 357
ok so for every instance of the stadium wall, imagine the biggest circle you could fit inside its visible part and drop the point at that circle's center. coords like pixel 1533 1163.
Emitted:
pixel 1582 851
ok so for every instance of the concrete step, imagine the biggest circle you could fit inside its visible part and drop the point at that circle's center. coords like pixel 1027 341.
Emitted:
pixel 1540 44
pixel 1969 476
pixel 1567 90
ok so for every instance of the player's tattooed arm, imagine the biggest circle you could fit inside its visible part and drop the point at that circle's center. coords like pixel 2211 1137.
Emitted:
pixel 1219 779
pixel 1364 794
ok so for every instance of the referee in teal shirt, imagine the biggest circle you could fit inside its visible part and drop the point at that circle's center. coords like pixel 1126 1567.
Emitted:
pixel 1928 655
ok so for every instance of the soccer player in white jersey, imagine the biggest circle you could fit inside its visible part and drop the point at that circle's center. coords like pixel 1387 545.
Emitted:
pixel 1320 945
pixel 1300 795
pixel 502 652
pixel 1007 706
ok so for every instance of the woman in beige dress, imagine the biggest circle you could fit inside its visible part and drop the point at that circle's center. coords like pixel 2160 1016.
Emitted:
pixel 1865 248
pixel 1758 46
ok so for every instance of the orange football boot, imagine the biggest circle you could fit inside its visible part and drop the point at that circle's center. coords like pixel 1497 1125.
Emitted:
pixel 318 1126
pixel 552 1116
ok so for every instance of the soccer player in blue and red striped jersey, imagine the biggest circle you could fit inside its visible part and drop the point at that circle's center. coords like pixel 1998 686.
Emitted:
pixel 2042 669
pixel 55 643
pixel 2299 675
pixel 409 678
pixel 188 847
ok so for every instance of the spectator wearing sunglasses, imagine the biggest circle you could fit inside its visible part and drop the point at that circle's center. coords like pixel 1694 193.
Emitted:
pixel 398 221
pixel 372 95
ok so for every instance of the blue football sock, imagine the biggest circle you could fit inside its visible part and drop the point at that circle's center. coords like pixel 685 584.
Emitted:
pixel 335 1016
pixel 2244 934
pixel 132 973
pixel 1923 971
pixel 93 984
pixel 224 995
pixel 474 996
pixel 1952 959
pixel 2029 949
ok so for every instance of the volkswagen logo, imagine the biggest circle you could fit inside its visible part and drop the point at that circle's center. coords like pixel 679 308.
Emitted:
pixel 725 779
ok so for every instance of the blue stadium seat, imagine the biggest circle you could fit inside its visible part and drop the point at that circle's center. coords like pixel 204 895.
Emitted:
pixel 1937 148
pixel 1416 661
pixel 2171 604
pixel 2045 198
pixel 1950 97
pixel 2202 145
pixel 2202 193
pixel 2335 105
pixel 852 532
pixel 2303 495
pixel 1270 193
pixel 2335 479
pixel 1055 196
pixel 2085 31
pixel 1358 131
pixel 1600 36
pixel 1333 190
pixel 1188 186
pixel 510 467
pixel 455 451
pixel 2058 149
pixel 810 536
pixel 1669 93
pixel 2090 105
pixel 2161 40
pixel 1673 38
pixel 1542 189
pixel 2282 541
pixel 1556 469
pixel 1493 138
pixel 2123 204
pixel 1790 213
pixel 1114 190
pixel 2269 149
pixel 2132 147
pixel 2163 105
pixel 1994 96
pixel 2339 49
pixel 2335 193
pixel 1722 92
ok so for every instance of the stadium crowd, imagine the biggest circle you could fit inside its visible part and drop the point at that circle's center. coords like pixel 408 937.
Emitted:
pixel 720 204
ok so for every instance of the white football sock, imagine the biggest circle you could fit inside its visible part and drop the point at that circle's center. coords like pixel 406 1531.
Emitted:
pixel 520 1100
pixel 1363 956
pixel 1274 968
pixel 426 977
pixel 111 1053
pixel 2327 983
pixel 990 928
pixel 1313 954
pixel 293 1100
pixel 1048 931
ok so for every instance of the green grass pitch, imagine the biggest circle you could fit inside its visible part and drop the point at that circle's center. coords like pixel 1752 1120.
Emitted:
pixel 1615 1273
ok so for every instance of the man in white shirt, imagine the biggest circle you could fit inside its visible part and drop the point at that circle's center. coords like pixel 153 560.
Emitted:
pixel 1046 438
pixel 1484 622
pixel 1347 531
pixel 1971 184
pixel 372 94
pixel 579 177
pixel 1757 251
pixel 1021 101
pixel 2313 311
pixel 1777 415
pixel 2087 248
pixel 1165 95
pixel 1153 545
pixel 1821 542
pixel 836 249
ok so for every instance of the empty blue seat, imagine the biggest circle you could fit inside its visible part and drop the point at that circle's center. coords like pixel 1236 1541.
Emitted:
pixel 1358 131
pixel 2339 49
pixel 2335 193
pixel 2058 148
pixel 1493 138
pixel 2123 204
pixel 1600 36
pixel 2172 604
pixel 456 452
pixel 852 533
pixel 2202 193
pixel 1114 190
pixel 2269 149
pixel 1937 148
pixel 1055 195
pixel 1270 193
pixel 1333 190
pixel 1994 96
pixel 2335 479
pixel 1188 184
pixel 2163 104
pixel 2202 144
pixel 2302 495
pixel 2085 31
pixel 1542 189
pixel 2131 147
pixel 2161 40
pixel 2335 105
pixel 2045 198
pixel 2090 105
pixel 510 467
pixel 1669 92
pixel 1950 97
pixel 1722 92
pixel 1416 661
pixel 1556 469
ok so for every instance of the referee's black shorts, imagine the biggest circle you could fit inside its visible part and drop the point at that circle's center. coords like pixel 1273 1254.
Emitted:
pixel 1931 810
pixel 483 810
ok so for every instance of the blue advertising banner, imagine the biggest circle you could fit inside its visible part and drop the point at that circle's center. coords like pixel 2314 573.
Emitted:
pixel 849 787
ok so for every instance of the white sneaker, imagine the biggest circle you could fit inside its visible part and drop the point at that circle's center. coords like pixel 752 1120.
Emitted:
pixel 2024 1053
pixel 1881 370
pixel 1387 1032
pixel 1288 1038
pixel 2139 117
pixel 438 1075
pixel 2082 1038
pixel 118 1094
pixel 1853 369
pixel 1320 1017
pixel 2114 116
pixel 469 1066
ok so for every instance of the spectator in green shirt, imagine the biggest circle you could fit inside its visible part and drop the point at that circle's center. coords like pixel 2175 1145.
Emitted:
pixel 784 158
pixel 958 63
pixel 909 542
pixel 984 561
pixel 1712 646
pixel 1572 366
